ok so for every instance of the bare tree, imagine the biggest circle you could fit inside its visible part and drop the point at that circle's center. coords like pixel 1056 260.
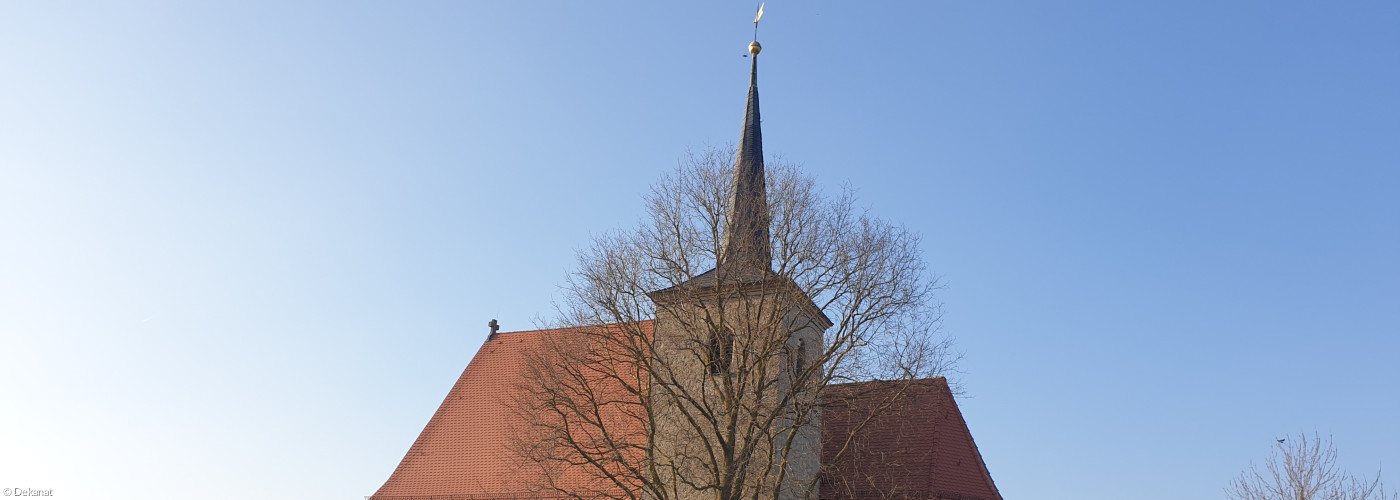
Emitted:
pixel 1300 468
pixel 678 375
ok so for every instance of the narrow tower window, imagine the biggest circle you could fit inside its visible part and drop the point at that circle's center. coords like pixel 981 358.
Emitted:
pixel 799 358
pixel 721 351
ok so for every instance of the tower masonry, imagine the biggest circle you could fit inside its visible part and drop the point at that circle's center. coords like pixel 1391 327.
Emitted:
pixel 731 343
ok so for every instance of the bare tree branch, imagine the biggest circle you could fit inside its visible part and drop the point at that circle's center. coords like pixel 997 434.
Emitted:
pixel 675 376
pixel 1300 468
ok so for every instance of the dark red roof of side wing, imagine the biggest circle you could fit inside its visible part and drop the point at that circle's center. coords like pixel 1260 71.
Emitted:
pixel 919 447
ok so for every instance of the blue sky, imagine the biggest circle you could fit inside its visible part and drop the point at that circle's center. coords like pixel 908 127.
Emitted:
pixel 246 249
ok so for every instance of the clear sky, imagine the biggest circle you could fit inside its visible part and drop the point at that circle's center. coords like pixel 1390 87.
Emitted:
pixel 246 249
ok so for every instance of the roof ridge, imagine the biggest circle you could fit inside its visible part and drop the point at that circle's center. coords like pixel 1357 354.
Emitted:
pixel 565 328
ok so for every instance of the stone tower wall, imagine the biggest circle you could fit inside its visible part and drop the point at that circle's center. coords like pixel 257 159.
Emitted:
pixel 770 328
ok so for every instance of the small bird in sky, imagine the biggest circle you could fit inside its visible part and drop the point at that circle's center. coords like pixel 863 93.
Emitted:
pixel 1282 440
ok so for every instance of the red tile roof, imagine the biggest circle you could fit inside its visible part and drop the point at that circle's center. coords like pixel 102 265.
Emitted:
pixel 918 447
pixel 465 450
pixel 921 449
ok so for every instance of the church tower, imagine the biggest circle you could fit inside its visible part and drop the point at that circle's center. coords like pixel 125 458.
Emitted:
pixel 714 398
pixel 733 392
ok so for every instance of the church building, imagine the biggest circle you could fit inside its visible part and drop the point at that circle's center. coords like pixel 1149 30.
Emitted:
pixel 918 447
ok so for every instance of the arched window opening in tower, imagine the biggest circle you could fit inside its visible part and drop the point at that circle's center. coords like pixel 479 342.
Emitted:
pixel 721 351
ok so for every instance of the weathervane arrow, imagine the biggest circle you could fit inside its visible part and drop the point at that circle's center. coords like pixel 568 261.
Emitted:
pixel 756 17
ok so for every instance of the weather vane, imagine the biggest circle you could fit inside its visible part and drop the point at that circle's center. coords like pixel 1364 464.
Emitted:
pixel 754 47
pixel 756 17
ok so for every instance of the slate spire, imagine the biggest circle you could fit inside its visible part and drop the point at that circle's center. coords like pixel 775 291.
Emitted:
pixel 746 245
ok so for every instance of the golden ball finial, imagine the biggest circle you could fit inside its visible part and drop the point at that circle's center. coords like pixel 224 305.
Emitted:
pixel 754 48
